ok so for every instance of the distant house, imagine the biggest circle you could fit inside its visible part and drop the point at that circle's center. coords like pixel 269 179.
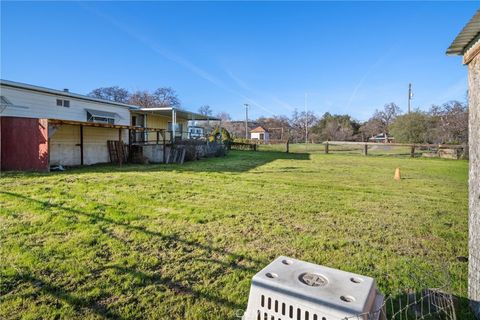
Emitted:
pixel 195 130
pixel 259 133
pixel 381 138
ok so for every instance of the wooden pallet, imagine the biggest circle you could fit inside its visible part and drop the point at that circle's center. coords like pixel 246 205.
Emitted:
pixel 176 155
pixel 117 151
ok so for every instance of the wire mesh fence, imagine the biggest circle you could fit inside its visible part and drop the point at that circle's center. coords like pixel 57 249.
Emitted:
pixel 426 297
pixel 356 148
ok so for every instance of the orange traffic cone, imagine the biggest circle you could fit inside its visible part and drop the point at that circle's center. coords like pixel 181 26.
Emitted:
pixel 397 174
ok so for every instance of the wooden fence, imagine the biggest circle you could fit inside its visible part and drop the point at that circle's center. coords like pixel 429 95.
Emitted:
pixel 413 146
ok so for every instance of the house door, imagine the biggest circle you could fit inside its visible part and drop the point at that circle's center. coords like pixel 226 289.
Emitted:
pixel 138 121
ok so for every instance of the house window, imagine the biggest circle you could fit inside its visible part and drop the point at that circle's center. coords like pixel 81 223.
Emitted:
pixel 100 116
pixel 102 120
pixel 63 103
pixel 178 128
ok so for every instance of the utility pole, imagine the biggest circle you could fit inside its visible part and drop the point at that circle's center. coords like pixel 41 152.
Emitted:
pixel 410 96
pixel 246 120
pixel 306 121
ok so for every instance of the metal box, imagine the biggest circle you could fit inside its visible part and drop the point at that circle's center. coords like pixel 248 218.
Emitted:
pixel 292 289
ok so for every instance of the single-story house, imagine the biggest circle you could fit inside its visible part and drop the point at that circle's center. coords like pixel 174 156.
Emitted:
pixel 41 127
pixel 259 133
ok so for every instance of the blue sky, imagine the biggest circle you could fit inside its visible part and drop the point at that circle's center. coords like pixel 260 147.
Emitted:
pixel 348 57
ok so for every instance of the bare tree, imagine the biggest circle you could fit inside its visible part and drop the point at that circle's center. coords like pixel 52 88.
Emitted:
pixel 277 126
pixel 142 99
pixel 224 116
pixel 166 97
pixel 114 93
pixel 299 122
pixel 386 116
pixel 450 122
pixel 371 128
pixel 205 110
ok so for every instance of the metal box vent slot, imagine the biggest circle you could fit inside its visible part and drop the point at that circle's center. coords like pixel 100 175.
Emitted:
pixel 290 289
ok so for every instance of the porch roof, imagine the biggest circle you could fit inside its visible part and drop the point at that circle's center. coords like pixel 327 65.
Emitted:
pixel 167 112
pixel 101 125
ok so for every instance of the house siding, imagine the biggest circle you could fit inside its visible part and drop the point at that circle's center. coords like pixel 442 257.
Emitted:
pixel 256 135
pixel 65 145
pixel 44 106
pixel 161 122
pixel 62 142
pixel 154 121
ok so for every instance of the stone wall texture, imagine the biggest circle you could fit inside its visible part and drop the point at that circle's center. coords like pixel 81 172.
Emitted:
pixel 474 182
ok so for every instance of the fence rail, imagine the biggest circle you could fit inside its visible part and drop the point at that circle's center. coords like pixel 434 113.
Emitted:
pixel 451 151
pixel 394 144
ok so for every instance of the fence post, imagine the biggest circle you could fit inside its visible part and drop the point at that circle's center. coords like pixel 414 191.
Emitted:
pixel 412 151
pixel 326 147
pixel 365 149
pixel 288 145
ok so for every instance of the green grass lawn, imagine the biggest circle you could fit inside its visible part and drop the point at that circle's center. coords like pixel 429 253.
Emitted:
pixel 183 241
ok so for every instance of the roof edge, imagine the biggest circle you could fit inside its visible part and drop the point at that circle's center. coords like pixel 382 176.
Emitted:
pixel 30 87
pixel 467 36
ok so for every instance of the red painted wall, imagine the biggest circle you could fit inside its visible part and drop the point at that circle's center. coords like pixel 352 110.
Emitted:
pixel 24 144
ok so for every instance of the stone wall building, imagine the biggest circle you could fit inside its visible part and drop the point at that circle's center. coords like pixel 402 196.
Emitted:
pixel 467 43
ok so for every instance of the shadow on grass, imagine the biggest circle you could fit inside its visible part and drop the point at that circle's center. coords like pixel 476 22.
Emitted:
pixel 178 288
pixel 60 294
pixel 234 161
pixel 147 279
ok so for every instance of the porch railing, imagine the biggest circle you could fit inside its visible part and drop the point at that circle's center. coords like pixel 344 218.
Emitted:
pixel 161 136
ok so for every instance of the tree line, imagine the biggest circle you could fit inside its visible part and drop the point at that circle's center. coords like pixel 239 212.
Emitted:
pixel 445 123
pixel 441 124
pixel 161 97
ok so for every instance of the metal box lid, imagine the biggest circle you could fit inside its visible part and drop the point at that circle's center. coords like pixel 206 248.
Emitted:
pixel 334 292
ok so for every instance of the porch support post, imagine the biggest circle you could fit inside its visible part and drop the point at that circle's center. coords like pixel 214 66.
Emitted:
pixel 130 138
pixel 164 147
pixel 174 123
pixel 81 145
